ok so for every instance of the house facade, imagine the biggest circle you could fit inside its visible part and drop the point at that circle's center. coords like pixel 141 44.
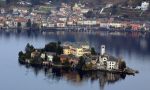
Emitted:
pixel 106 61
pixel 76 49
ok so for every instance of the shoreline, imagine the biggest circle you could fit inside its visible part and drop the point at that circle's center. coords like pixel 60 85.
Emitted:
pixel 127 71
pixel 74 29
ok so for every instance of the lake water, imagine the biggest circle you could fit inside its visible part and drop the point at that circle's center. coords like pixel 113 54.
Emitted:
pixel 134 48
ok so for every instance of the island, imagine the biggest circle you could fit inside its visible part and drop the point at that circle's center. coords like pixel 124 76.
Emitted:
pixel 77 56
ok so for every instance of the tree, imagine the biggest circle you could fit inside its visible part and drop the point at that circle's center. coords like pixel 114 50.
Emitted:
pixel 2 3
pixel 21 55
pixel 134 2
pixel 35 2
pixel 11 1
pixel 54 47
pixel 122 65
pixel 51 47
pixel 56 60
pixel 29 48
pixel 36 60
pixel 29 24
pixel 81 63
pixel 114 10
pixel 59 50
pixel 89 14
pixel 93 52
pixel 35 25
pixel 125 16
pixel 19 25
pixel 59 43
pixel 66 62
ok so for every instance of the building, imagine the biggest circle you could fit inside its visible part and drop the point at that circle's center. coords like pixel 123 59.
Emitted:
pixel 76 7
pixel 87 22
pixel 61 24
pixel 50 56
pixel 85 10
pixel 135 26
pixel 144 6
pixel 104 25
pixel 66 50
pixel 49 24
pixel 9 23
pixel 91 59
pixel 77 49
pixel 69 22
pixel 64 19
pixel 43 55
pixel 112 63
pixel 116 25
pixel 106 61
pixel 71 59
pixel 1 24
pixel 23 21
pixel 2 10
pixel 35 54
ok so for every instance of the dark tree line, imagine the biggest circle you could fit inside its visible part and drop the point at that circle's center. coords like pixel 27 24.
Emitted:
pixel 34 2
pixel 54 47
pixel 89 2
pixel 11 1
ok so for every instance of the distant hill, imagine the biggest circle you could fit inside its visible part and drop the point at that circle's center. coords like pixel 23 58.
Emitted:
pixel 122 2
pixel 91 2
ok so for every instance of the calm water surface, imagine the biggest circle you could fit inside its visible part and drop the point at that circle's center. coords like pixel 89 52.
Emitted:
pixel 134 48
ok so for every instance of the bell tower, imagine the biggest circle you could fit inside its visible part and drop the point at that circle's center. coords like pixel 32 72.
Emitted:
pixel 102 49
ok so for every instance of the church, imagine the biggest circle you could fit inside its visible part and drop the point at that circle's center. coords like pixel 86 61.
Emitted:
pixel 106 61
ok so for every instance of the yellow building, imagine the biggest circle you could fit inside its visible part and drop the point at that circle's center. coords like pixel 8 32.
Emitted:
pixel 79 52
pixel 76 49
pixel 66 51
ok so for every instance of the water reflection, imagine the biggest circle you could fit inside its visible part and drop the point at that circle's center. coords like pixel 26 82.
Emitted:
pixel 115 41
pixel 134 48
pixel 77 77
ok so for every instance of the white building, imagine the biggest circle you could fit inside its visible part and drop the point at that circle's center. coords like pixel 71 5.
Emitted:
pixel 61 24
pixel 87 22
pixel 112 63
pixel 85 10
pixel 144 6
pixel 43 55
pixel 50 56
pixel 104 25
pixel 64 19
pixel 106 61
pixel 2 11
pixel 70 23
pixel 1 24
pixel 50 24
pixel 116 25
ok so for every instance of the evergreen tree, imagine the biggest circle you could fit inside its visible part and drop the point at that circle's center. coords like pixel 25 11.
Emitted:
pixel 81 63
pixel 29 24
pixel 29 48
pixel 93 52
pixel 19 25
pixel 56 60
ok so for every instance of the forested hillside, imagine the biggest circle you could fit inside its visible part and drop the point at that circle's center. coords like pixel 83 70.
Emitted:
pixel 123 2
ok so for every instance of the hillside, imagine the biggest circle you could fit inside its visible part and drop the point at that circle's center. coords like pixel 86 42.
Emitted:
pixel 92 2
